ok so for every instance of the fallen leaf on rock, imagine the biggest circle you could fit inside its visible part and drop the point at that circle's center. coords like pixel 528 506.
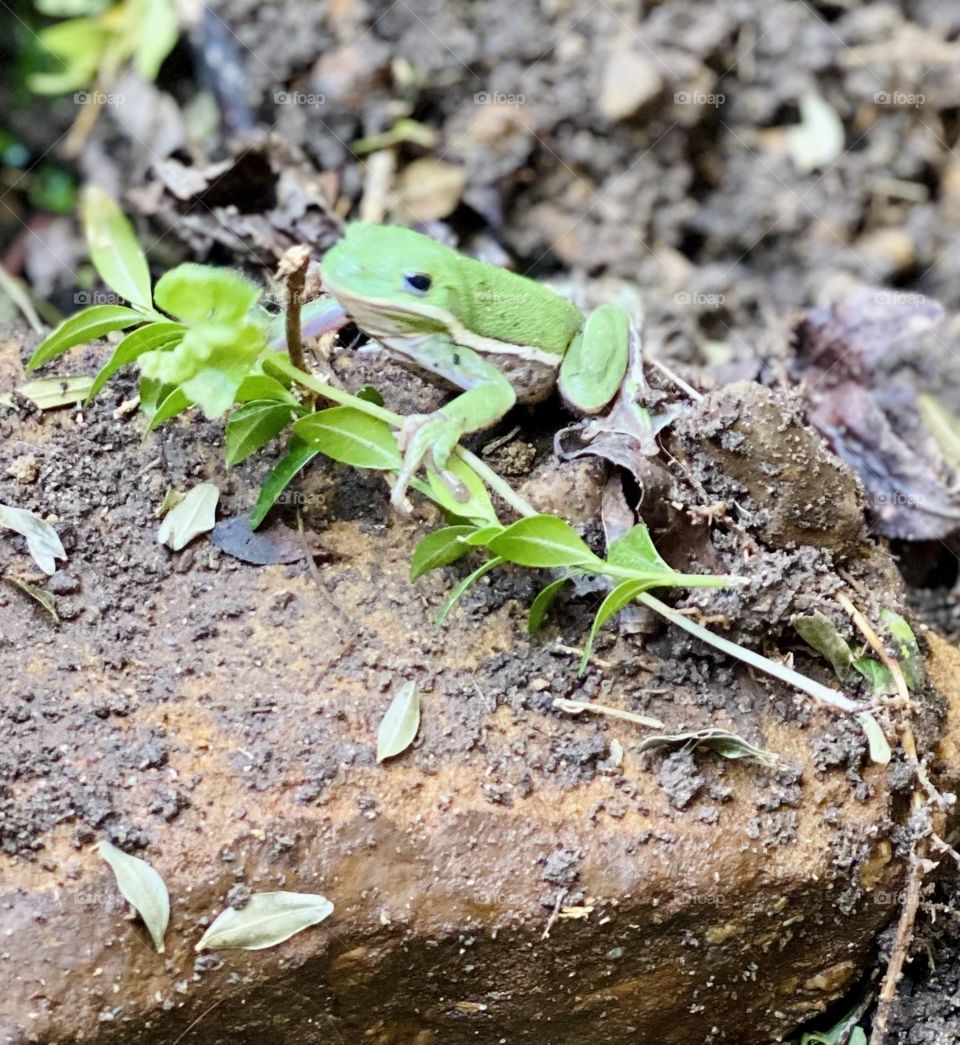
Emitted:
pixel 266 547
pixel 195 514
pixel 267 919
pixel 42 541
pixel 50 392
pixel 722 741
pixel 143 888
pixel 400 723
pixel 44 598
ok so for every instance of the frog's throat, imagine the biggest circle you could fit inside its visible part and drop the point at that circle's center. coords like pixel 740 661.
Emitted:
pixel 389 321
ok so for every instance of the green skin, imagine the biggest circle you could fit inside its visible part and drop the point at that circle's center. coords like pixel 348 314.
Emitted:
pixel 500 337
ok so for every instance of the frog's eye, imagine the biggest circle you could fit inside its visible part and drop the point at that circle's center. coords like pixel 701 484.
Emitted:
pixel 417 283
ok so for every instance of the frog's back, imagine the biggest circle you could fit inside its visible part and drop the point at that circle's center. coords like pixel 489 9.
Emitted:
pixel 506 307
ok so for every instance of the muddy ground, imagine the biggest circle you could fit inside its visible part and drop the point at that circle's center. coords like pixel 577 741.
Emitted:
pixel 640 152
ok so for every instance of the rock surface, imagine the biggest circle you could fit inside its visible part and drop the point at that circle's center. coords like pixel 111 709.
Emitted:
pixel 509 877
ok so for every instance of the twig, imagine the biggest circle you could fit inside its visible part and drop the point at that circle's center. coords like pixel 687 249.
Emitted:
pixel 574 707
pixel 676 379
pixel 874 642
pixel 918 859
pixel 901 944
pixel 293 267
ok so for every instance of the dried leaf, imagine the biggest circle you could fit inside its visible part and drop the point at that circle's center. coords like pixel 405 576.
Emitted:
pixel 268 547
pixel 45 599
pixel 818 140
pixel 268 919
pixel 879 745
pixel 820 633
pixel 574 707
pixel 42 540
pixel 726 744
pixel 50 392
pixel 195 514
pixel 400 723
pixel 427 189
pixel 143 888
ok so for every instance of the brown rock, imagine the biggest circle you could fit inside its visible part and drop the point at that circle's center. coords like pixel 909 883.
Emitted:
pixel 505 878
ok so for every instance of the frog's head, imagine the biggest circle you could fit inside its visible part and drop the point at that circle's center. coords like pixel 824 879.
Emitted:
pixel 392 281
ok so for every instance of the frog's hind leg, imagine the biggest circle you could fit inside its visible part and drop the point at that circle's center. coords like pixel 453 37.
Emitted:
pixel 596 361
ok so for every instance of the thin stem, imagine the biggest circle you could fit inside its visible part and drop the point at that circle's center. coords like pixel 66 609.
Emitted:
pixel 780 671
pixel 279 365
pixel 495 482
pixel 296 281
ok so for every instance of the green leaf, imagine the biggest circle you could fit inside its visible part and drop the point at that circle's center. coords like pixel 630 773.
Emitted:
pixel 77 45
pixel 908 649
pixel 152 393
pixel 464 586
pixel 483 536
pixel 352 437
pixel 43 598
pixel 203 293
pixel 259 386
pixel 51 392
pixel 478 507
pixel 173 403
pixel 268 919
pixel 399 725
pixel 439 548
pixel 42 541
pixel 820 633
pixel 85 326
pixel 622 594
pixel 157 32
pixel 635 551
pixel 543 541
pixel 114 250
pixel 210 363
pixel 299 454
pixel 253 426
pixel 370 395
pixel 195 514
pixel 143 888
pixel 149 338
pixel 877 675
pixel 541 605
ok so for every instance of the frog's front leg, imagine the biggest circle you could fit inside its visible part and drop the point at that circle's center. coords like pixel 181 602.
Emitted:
pixel 430 438
pixel 596 361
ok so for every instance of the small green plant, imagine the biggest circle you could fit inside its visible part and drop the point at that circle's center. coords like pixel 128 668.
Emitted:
pixel 201 338
pixel 96 41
